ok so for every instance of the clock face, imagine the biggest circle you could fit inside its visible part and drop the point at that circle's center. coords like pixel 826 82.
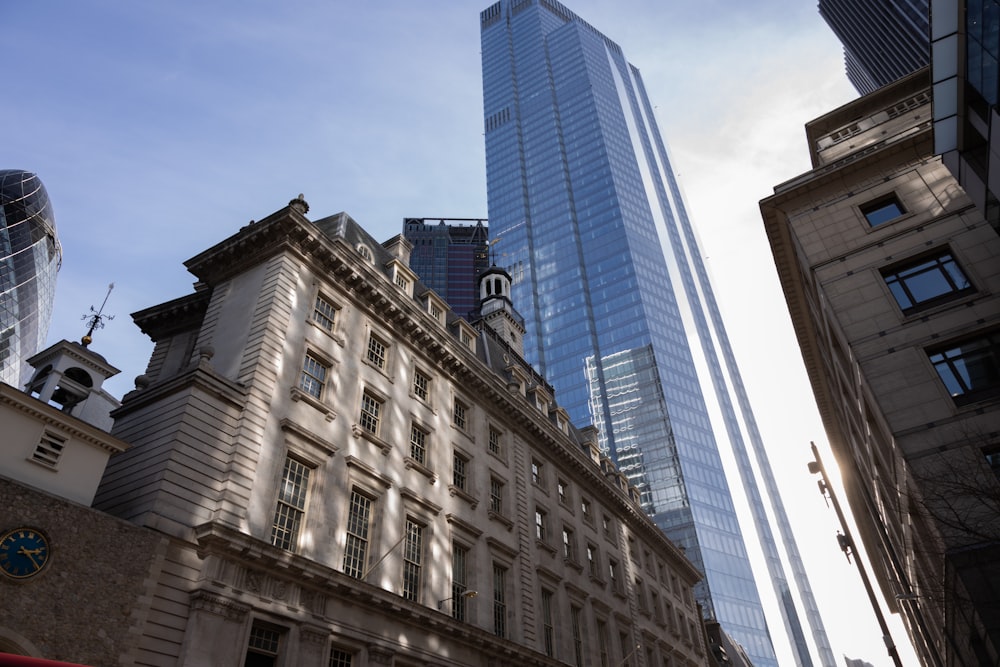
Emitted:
pixel 23 552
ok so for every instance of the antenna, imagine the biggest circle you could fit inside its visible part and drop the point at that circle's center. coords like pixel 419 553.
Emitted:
pixel 96 319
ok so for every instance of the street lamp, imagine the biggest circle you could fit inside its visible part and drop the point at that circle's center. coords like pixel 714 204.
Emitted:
pixel 847 543
pixel 463 594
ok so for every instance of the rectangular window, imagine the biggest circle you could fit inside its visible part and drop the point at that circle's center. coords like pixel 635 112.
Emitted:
pixel 412 549
pixel 569 544
pixel 376 352
pixel 371 413
pixel 882 210
pixel 458 472
pixel 291 506
pixel 541 530
pixel 654 603
pixel 496 496
pixel 421 383
pixel 49 449
pixel 613 576
pixel 418 444
pixel 548 631
pixel 970 370
pixel 459 574
pixel 586 511
pixel 459 415
pixel 575 623
pixel 313 379
pixel 626 648
pixel 495 444
pixel 602 644
pixel 592 561
pixel 640 594
pixel 499 601
pixel 358 526
pixel 536 472
pixel 324 314
pixel 340 658
pixel 263 647
pixel 561 489
pixel 927 281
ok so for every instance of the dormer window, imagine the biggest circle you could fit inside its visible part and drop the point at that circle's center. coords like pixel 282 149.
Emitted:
pixel 365 252
pixel 402 276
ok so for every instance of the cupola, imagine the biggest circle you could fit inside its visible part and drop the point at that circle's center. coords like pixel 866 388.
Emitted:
pixel 496 310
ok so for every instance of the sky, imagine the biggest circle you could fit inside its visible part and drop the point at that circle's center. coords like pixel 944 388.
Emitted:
pixel 160 129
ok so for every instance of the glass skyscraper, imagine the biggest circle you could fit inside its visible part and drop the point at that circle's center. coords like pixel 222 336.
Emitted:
pixel 883 41
pixel 620 315
pixel 448 255
pixel 30 257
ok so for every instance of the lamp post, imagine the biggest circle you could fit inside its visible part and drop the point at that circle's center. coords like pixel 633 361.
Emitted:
pixel 462 595
pixel 846 542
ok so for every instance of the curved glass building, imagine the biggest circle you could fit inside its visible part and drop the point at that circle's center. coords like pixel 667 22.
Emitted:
pixel 30 256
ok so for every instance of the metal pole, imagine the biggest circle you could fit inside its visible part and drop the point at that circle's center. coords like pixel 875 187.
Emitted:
pixel 848 542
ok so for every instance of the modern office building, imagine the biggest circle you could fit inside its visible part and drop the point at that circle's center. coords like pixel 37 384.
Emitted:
pixel 966 87
pixel 30 257
pixel 619 312
pixel 448 255
pixel 892 280
pixel 883 40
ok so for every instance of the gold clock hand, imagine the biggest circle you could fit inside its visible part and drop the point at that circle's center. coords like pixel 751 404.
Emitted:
pixel 30 553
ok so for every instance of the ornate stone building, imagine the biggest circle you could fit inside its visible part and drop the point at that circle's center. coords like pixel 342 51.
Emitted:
pixel 346 473
pixel 891 277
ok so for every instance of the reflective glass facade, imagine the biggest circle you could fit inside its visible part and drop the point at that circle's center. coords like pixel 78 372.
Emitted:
pixel 449 255
pixel 883 41
pixel 620 315
pixel 30 256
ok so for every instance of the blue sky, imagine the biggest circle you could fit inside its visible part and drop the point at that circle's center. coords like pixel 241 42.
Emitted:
pixel 160 129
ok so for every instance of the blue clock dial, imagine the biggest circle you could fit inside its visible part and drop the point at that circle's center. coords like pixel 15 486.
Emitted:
pixel 24 552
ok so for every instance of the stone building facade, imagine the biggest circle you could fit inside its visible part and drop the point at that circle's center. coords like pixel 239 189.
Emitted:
pixel 346 473
pixel 891 278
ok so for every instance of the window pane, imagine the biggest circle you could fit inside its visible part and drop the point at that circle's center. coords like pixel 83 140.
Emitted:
pixel 970 370
pixel 356 551
pixel 882 211
pixel 926 281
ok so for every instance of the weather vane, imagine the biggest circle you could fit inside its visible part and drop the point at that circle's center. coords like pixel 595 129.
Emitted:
pixel 97 318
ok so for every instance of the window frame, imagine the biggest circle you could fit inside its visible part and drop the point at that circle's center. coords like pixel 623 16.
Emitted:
pixel 988 351
pixel 873 209
pixel 412 570
pixel 900 278
pixel 291 541
pixel 323 363
pixel 358 568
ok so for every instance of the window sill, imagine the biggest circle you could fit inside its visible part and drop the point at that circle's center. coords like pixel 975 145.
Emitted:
pixel 597 580
pixel 545 546
pixel 573 563
pixel 455 491
pixel 297 395
pixel 381 371
pixel 500 518
pixel 330 334
pixel 372 438
pixel 620 594
pixel 411 463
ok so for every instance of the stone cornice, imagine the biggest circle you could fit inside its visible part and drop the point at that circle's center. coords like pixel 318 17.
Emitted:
pixel 175 315
pixel 51 416
pixel 201 376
